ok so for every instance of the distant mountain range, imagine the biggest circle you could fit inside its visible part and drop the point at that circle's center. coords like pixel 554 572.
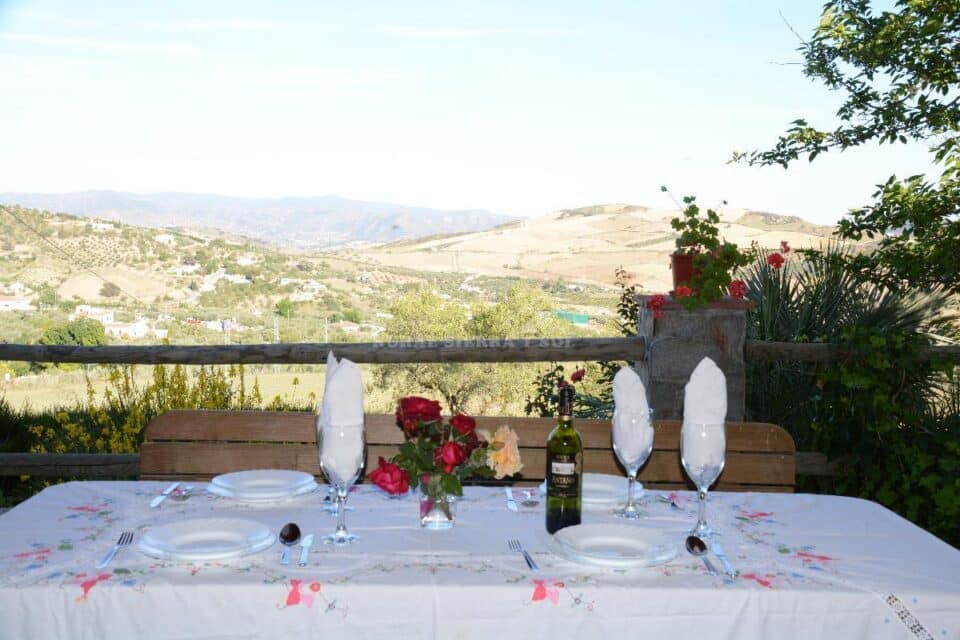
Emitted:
pixel 304 222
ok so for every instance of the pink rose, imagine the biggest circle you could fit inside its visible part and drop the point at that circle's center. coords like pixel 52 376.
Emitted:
pixel 390 477
pixel 463 424
pixel 414 409
pixel 450 455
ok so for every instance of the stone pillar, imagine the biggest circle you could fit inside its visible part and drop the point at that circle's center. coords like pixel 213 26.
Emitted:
pixel 680 339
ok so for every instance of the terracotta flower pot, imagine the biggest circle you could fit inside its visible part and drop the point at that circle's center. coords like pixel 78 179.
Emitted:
pixel 683 271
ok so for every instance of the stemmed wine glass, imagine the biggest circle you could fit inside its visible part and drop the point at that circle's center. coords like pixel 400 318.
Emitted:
pixel 341 460
pixel 703 451
pixel 632 442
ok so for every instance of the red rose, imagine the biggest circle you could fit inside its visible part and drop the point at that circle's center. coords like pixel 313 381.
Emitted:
pixel 390 477
pixel 577 375
pixel 464 424
pixel 738 289
pixel 775 260
pixel 451 454
pixel 656 302
pixel 414 409
pixel 784 247
pixel 683 292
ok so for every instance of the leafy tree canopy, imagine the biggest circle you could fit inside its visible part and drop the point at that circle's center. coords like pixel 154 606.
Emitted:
pixel 83 332
pixel 898 74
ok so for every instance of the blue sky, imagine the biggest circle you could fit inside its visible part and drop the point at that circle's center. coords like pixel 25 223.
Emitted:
pixel 520 108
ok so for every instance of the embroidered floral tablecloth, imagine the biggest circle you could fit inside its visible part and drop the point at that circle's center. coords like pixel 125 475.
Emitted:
pixel 810 567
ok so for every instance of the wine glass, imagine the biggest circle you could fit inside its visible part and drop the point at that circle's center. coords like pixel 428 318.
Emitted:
pixel 632 442
pixel 703 451
pixel 341 460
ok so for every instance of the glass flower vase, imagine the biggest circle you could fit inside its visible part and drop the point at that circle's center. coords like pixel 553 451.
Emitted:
pixel 438 509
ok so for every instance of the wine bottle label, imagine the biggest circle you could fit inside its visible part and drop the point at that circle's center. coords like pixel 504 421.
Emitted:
pixel 564 481
pixel 564 468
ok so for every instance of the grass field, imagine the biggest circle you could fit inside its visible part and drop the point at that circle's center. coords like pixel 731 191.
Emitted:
pixel 55 390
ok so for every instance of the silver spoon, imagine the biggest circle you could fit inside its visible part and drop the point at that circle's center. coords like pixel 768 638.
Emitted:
pixel 697 547
pixel 289 536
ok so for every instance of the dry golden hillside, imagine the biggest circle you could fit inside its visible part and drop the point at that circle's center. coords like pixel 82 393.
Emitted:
pixel 588 244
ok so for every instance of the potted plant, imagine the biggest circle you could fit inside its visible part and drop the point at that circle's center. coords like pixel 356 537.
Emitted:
pixel 702 263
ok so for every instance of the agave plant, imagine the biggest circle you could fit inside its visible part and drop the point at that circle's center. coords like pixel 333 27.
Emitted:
pixel 813 298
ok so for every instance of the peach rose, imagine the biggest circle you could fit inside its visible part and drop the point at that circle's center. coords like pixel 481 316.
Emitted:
pixel 503 452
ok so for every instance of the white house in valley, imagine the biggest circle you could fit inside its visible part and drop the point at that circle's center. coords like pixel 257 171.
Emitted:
pixel 15 303
pixel 138 329
pixel 105 316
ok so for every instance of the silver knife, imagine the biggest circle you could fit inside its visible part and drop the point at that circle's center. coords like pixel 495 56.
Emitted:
pixel 163 496
pixel 511 503
pixel 305 545
pixel 727 567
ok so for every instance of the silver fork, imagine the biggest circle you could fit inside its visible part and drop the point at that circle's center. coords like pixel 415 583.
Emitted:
pixel 125 539
pixel 515 545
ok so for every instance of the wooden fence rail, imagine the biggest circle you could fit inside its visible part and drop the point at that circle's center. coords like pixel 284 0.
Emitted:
pixel 518 350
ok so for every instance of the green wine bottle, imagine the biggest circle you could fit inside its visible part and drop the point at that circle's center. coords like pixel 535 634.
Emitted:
pixel 564 468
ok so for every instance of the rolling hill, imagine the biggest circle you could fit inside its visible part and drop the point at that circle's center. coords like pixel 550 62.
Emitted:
pixel 588 244
pixel 302 222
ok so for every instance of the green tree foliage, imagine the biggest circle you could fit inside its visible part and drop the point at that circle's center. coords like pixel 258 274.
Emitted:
pixel 109 290
pixel 422 315
pixel 82 332
pixel 284 308
pixel 898 73
pixel 885 415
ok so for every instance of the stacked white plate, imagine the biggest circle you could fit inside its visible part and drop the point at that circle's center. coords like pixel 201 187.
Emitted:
pixel 601 489
pixel 262 485
pixel 614 545
pixel 206 539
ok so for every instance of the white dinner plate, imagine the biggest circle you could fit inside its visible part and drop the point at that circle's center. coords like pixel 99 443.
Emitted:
pixel 614 545
pixel 264 483
pixel 260 497
pixel 206 539
pixel 605 489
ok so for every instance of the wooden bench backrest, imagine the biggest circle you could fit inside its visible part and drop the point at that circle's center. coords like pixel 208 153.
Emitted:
pixel 195 444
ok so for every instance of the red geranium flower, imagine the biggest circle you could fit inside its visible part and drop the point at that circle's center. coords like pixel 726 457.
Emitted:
pixel 655 304
pixel 775 260
pixel 738 289
pixel 450 455
pixel 683 292
pixel 390 477
pixel 414 409
pixel 577 375
pixel 784 247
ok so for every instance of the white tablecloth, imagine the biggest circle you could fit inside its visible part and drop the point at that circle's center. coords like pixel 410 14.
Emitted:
pixel 810 567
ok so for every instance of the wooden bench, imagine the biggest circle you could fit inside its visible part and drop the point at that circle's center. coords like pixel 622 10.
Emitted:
pixel 197 445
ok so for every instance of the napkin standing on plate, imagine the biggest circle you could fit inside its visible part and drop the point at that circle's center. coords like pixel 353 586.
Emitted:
pixel 704 402
pixel 633 438
pixel 341 418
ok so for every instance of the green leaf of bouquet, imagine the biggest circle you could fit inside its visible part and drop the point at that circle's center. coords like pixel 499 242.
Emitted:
pixel 451 484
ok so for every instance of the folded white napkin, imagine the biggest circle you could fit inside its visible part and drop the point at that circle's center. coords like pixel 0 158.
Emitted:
pixel 704 403
pixel 632 428
pixel 342 394
pixel 705 396
pixel 341 419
